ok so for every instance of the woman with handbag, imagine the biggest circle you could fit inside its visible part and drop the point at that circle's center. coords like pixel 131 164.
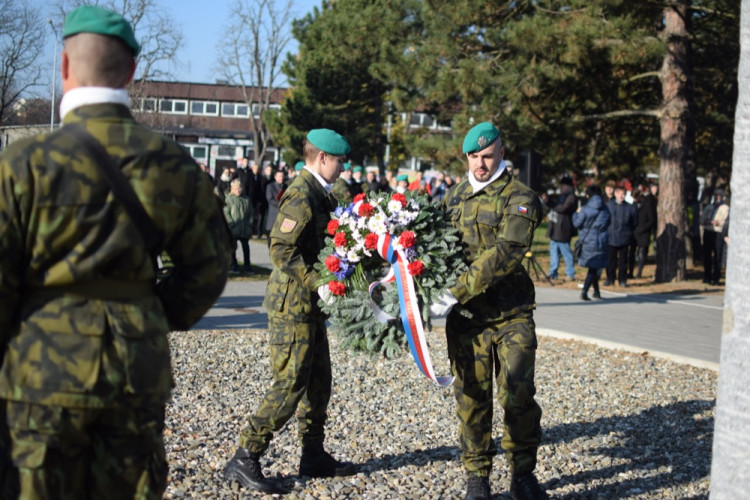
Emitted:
pixel 592 221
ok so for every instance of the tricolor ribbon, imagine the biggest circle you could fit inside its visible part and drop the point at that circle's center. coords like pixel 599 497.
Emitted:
pixel 409 306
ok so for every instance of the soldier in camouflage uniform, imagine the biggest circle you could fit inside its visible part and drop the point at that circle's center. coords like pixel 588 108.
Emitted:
pixel 298 339
pixel 342 188
pixel 496 216
pixel 86 371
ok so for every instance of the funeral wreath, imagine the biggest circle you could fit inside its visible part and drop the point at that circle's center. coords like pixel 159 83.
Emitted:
pixel 376 245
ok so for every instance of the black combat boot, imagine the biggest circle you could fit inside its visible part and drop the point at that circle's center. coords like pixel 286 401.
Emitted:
pixel 316 462
pixel 244 467
pixel 526 487
pixel 477 488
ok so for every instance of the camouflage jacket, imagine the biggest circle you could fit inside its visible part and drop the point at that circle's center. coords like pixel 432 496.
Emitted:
pixel 342 191
pixel 497 226
pixel 81 317
pixel 297 237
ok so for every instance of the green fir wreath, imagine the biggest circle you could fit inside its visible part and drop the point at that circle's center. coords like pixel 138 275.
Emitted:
pixel 349 263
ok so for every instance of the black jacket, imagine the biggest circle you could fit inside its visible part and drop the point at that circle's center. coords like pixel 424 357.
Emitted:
pixel 560 227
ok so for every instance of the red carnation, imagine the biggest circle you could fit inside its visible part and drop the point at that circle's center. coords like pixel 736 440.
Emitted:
pixel 416 268
pixel 336 287
pixel 333 225
pixel 340 239
pixel 333 263
pixel 365 210
pixel 407 239
pixel 399 197
pixel 371 241
pixel 359 197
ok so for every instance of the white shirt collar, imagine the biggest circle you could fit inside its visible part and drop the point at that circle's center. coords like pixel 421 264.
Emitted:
pixel 84 96
pixel 478 186
pixel 322 181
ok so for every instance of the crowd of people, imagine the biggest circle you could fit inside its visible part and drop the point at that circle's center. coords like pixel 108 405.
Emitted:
pixel 616 228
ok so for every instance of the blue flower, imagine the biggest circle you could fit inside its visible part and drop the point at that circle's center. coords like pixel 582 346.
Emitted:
pixel 346 268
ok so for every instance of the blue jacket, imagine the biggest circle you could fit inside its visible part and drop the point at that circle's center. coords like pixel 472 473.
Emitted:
pixel 624 220
pixel 592 222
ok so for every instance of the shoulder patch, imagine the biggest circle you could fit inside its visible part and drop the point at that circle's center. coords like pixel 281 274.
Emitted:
pixel 522 209
pixel 287 225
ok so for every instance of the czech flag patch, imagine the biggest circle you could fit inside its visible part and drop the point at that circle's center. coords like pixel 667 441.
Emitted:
pixel 522 209
pixel 287 225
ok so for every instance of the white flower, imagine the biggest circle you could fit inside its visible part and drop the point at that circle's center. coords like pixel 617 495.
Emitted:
pixel 353 256
pixel 341 251
pixel 378 224
pixel 394 206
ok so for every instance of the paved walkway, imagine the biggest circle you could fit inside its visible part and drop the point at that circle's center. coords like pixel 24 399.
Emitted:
pixel 686 328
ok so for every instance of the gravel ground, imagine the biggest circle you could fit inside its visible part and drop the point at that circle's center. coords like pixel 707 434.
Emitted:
pixel 616 424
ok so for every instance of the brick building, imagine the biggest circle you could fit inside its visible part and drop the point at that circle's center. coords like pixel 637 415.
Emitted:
pixel 211 120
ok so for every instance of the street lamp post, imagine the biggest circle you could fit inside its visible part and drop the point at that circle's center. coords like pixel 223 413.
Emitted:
pixel 54 78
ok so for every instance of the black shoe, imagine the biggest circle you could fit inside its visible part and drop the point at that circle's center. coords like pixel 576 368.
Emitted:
pixel 585 297
pixel 525 486
pixel 244 467
pixel 607 283
pixel 316 462
pixel 477 488
pixel 623 284
pixel 597 295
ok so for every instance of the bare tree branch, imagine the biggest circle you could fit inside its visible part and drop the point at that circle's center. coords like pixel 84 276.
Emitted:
pixel 22 37
pixel 252 58
pixel 623 113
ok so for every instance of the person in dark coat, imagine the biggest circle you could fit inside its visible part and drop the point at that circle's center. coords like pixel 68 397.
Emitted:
pixel 274 191
pixel 646 208
pixel 624 220
pixel 560 229
pixel 592 221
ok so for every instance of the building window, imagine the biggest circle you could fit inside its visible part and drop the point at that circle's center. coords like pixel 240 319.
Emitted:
pixel 144 104
pixel 236 110
pixel 199 152
pixel 423 120
pixel 205 108
pixel 173 106
pixel 227 151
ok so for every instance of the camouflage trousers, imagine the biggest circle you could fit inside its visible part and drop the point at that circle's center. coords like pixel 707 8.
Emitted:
pixel 505 351
pixel 74 453
pixel 301 365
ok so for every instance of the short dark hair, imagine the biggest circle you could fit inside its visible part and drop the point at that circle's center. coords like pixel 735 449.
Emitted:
pixel 593 190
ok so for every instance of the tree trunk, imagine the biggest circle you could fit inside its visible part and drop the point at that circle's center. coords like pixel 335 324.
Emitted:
pixel 676 144
pixel 730 468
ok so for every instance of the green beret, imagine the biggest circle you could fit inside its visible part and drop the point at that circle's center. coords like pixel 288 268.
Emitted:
pixel 329 142
pixel 93 19
pixel 358 168
pixel 403 177
pixel 479 137
pixel 347 165
pixel 299 166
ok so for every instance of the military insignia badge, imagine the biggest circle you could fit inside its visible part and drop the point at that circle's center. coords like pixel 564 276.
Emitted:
pixel 482 141
pixel 287 225
pixel 522 209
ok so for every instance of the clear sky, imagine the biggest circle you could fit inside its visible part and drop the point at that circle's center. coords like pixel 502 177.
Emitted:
pixel 203 24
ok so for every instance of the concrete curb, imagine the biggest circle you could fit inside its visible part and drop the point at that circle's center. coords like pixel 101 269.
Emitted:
pixel 698 363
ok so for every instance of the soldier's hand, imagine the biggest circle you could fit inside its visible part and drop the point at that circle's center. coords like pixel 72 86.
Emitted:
pixel 442 306
pixel 325 294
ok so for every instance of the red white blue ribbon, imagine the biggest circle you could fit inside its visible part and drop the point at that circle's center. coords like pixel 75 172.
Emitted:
pixel 409 307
